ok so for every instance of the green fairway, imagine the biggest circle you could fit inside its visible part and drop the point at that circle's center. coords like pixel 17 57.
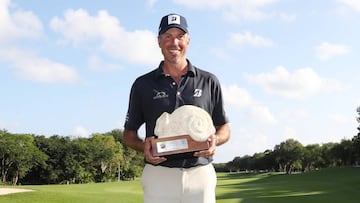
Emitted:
pixel 125 191
pixel 327 185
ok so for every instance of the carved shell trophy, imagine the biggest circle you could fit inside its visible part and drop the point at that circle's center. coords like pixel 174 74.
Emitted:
pixel 185 120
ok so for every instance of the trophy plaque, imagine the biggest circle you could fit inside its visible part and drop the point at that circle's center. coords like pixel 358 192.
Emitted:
pixel 176 145
pixel 182 133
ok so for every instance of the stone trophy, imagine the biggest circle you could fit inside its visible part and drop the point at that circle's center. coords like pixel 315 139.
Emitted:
pixel 182 133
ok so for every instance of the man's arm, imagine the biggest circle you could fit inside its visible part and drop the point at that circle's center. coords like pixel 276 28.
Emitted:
pixel 221 136
pixel 132 140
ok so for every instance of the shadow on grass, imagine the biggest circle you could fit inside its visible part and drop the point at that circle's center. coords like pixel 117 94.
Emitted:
pixel 328 185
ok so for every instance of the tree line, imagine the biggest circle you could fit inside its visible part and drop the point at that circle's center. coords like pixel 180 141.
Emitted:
pixel 103 157
pixel 291 155
pixel 32 159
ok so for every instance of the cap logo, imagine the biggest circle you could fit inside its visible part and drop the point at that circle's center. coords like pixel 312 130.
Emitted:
pixel 173 19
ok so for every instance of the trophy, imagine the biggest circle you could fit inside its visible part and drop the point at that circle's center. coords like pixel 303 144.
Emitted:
pixel 182 133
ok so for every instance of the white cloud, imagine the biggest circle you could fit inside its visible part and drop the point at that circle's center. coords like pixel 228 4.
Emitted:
pixel 80 131
pixel 234 11
pixel 258 142
pixel 151 3
pixel 287 17
pixel 234 147
pixel 262 113
pixel 80 28
pixel 290 133
pixel 326 51
pixel 254 141
pixel 18 24
pixel 247 38
pixel 301 83
pixel 294 114
pixel 240 98
pixel 32 67
pixel 219 53
pixel 237 97
pixel 97 64
pixel 2 126
pixel 340 119
pixel 351 4
pixel 206 4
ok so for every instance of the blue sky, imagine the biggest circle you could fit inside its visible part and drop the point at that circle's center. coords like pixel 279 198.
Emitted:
pixel 288 69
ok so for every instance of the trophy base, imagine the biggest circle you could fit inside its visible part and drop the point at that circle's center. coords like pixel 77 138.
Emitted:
pixel 182 146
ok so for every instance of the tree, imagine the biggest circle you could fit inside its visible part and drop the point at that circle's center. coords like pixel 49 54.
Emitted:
pixel 257 161
pixel 99 158
pixel 356 148
pixel 106 156
pixel 358 119
pixel 356 140
pixel 118 158
pixel 4 154
pixel 288 154
pixel 83 156
pixel 343 152
pixel 19 155
pixel 327 155
pixel 132 161
pixel 65 159
pixel 311 157
pixel 268 161
pixel 234 164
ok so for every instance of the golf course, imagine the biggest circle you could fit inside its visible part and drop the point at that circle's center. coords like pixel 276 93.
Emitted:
pixel 340 184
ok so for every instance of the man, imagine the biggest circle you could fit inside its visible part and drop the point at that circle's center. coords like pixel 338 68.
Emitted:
pixel 176 82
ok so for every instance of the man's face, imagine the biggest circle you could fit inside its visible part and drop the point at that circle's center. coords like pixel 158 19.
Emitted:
pixel 174 43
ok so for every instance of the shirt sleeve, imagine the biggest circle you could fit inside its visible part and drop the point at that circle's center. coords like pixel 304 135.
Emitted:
pixel 134 117
pixel 219 116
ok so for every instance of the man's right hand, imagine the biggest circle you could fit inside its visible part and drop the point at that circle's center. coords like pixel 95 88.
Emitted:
pixel 148 155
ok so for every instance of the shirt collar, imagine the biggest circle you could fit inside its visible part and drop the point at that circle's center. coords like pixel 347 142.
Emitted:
pixel 160 73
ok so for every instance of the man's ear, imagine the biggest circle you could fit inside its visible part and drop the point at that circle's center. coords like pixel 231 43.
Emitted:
pixel 159 40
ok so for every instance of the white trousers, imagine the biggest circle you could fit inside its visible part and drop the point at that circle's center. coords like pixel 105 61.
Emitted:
pixel 178 185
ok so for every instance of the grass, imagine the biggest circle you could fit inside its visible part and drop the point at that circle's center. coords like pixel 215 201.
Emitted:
pixel 331 185
pixel 125 191
pixel 327 185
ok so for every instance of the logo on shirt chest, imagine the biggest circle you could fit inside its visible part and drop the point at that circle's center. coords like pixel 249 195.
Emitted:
pixel 163 95
pixel 197 93
pixel 160 95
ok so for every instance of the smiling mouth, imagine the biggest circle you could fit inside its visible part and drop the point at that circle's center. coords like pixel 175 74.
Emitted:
pixel 174 51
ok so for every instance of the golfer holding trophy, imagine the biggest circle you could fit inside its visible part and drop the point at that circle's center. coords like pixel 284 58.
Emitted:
pixel 181 106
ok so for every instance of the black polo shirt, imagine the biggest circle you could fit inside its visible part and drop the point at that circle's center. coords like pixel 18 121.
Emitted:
pixel 155 93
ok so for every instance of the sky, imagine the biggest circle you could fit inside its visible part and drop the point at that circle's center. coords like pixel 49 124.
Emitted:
pixel 288 68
